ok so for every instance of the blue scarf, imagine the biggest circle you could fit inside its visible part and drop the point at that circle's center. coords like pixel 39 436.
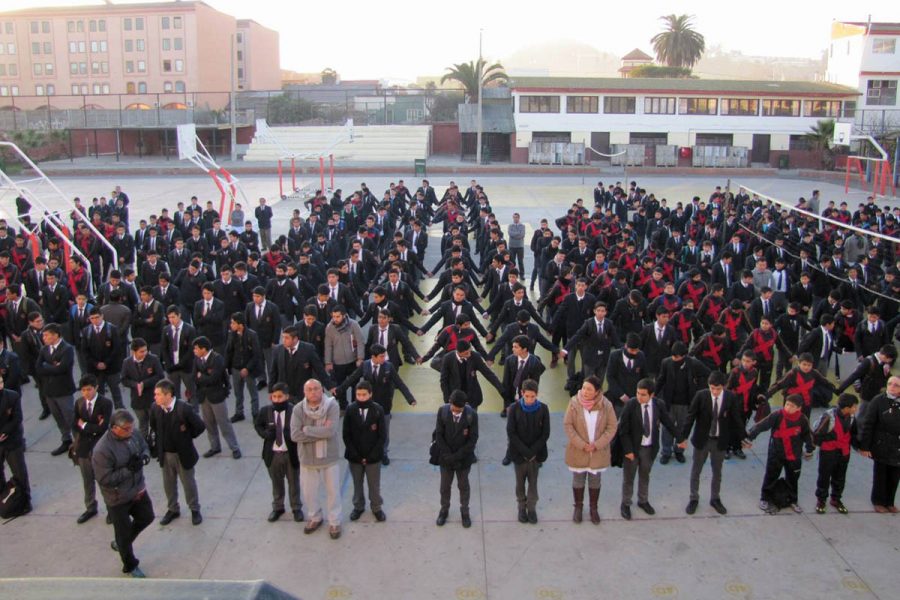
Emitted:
pixel 529 408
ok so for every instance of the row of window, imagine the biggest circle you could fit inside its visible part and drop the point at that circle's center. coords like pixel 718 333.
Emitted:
pixel 36 48
pixel 881 92
pixel 8 28
pixel 626 105
pixel 95 89
pixel 82 46
pixel 12 90
pixel 141 87
pixel 81 68
pixel 94 25
pixel 84 89
pixel 12 70
pixel 43 69
pixel 884 45
pixel 9 48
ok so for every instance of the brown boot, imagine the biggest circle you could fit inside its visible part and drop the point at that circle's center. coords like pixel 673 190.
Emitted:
pixel 594 496
pixel 578 493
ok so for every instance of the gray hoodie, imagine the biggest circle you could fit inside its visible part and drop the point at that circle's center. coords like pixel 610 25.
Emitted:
pixel 344 344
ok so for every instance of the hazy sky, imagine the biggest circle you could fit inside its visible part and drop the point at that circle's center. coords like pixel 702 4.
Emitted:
pixel 401 39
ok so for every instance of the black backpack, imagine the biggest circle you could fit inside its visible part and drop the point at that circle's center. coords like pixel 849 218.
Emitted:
pixel 781 493
pixel 12 500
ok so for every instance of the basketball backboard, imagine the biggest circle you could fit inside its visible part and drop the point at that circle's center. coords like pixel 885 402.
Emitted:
pixel 842 134
pixel 187 141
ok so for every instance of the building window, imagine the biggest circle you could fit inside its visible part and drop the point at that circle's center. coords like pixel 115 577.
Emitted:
pixel 127 24
pixel 129 45
pixel 176 22
pixel 881 92
pixel 14 90
pixel 715 139
pixel 13 70
pixel 70 26
pixel 240 55
pixel 103 46
pixel 2 70
pixel 92 25
pixel 551 137
pixel 240 72
pixel 240 38
pixel 73 47
pixel 2 48
pixel 84 89
pixel 582 104
pixel 821 108
pixel 164 22
pixel 73 68
pixel 179 87
pixel 9 28
pixel 79 26
pixel 74 88
pixel 142 66
pixel 35 27
pixel 4 91
pixel 48 68
pixel 178 43
pixel 45 26
pixel 139 44
pixel 884 45
pixel 781 108
pixel 82 68
pixel 166 44
pixel 129 66
pixel 48 48
pixel 10 48
pixel 82 46
pixel 139 23
pixel 96 88
pixel 659 106
pixel 35 48
pixel 698 106
pixel 538 104
pixel 95 46
pixel 142 87
pixel 619 105
pixel 740 107
pixel 51 89
pixel 167 66
pixel 104 67
pixel 101 24
pixel 95 68
pixel 38 68
pixel 179 66
pixel 799 142
pixel 105 88
pixel 129 87
pixel 167 86
pixel 850 109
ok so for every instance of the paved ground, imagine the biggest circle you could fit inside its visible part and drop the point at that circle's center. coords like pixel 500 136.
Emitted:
pixel 744 555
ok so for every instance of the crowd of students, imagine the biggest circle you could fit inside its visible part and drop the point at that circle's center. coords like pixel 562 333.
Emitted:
pixel 680 317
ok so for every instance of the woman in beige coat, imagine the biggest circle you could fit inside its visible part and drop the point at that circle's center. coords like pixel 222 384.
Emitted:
pixel 590 425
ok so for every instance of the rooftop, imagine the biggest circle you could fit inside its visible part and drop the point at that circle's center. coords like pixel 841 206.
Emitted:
pixel 685 86
pixel 180 5
pixel 637 54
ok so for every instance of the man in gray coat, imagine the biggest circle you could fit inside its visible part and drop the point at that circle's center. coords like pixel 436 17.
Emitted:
pixel 516 232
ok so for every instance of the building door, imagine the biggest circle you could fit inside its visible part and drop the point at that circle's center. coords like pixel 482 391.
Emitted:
pixel 761 144
pixel 600 143
pixel 650 142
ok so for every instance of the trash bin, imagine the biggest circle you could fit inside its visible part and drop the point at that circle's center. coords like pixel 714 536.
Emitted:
pixel 420 167
pixel 783 161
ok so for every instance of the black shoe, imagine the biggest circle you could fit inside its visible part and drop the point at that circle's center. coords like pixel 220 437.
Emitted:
pixel 466 519
pixel 523 516
pixel 441 519
pixel 626 512
pixel 385 461
pixel 62 449
pixel 474 459
pixel 108 519
pixel 44 414
pixel 503 413
pixel 664 460
pixel 237 417
pixel 717 504
pixel 210 453
pixel 728 455
pixel 114 546
pixel 27 509
pixel 356 513
pixel 532 517
pixel 505 462
pixel 740 454
pixel 645 506
pixel 196 517
pixel 275 515
pixel 86 516
pixel 236 454
pixel 169 517
pixel 379 516
pixel 298 516
pixel 679 456
pixel 691 507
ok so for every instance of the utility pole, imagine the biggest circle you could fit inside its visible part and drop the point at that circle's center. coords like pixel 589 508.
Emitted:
pixel 480 76
pixel 233 107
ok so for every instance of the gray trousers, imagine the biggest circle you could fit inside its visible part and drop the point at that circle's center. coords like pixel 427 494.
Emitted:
pixel 642 463
pixel 113 379
pixel 716 458
pixel 372 475
pixel 678 412
pixel 329 479
pixel 462 482
pixel 143 417
pixel 172 471
pixel 265 239
pixel 63 410
pixel 177 377
pixel 238 383
pixel 216 416
pixel 592 479
pixel 279 470
pixel 87 479
pixel 527 472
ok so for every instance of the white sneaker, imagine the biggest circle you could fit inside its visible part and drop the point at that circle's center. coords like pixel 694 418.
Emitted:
pixel 796 508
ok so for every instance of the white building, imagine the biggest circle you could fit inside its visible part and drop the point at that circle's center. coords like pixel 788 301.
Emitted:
pixel 768 118
pixel 866 56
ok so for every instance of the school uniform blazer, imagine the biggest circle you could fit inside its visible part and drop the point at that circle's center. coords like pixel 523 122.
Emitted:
pixel 631 425
pixel 190 427
pixel 364 438
pixel 95 424
pixel 700 414
pixel 265 428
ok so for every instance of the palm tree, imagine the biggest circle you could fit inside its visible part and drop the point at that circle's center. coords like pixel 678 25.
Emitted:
pixel 467 75
pixel 679 45
pixel 821 138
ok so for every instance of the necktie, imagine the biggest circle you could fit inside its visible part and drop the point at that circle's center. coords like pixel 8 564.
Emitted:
pixel 258 312
pixel 714 428
pixel 375 372
pixel 646 424
pixel 90 408
pixel 871 327
pixel 81 314
pixel 766 308
pixel 175 339
pixel 382 337
pixel 599 327
pixel 780 278
pixel 628 363
pixel 279 430
pixel 659 335
pixel 334 293
pixel 456 419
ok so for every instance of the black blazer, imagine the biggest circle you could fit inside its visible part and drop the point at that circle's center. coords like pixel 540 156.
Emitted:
pixel 95 424
pixel 55 370
pixel 297 369
pixel 533 368
pixel 11 370
pixel 265 427
pixel 595 347
pixel 700 413
pixel 631 425
pixel 11 420
pixel 248 343
pixel 150 373
pixel 268 327
pixel 17 322
pixel 396 337
pixel 104 347
pixel 621 380
pixel 455 377
pixel 213 324
pixel 169 298
pixel 527 433
pixel 813 341
pixel 189 426
pixel 455 442
pixel 691 369
pixel 572 313
pixel 211 379
pixel 185 348
pixel 383 386
pixel 148 321
pixel 364 439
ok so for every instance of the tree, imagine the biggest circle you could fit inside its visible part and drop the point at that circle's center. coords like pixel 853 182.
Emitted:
pixel 821 138
pixel 678 45
pixel 467 74
pixel 660 72
pixel 286 110
pixel 329 76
